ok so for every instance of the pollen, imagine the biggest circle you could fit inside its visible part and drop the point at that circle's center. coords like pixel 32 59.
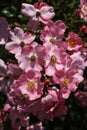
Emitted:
pixel 31 85
pixel 53 41
pixel 72 43
pixel 85 8
pixel 53 58
pixel 66 81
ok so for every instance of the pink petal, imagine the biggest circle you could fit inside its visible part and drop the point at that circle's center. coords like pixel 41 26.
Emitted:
pixel 28 38
pixel 28 10
pixel 31 74
pixel 65 94
pixel 47 12
pixel 50 70
pixel 13 47
pixel 17 35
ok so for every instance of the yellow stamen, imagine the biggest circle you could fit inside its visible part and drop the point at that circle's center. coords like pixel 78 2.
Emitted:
pixel 31 85
pixel 72 43
pixel 66 81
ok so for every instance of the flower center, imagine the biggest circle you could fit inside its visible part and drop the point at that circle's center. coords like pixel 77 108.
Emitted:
pixel 53 59
pixel 38 14
pixel 66 81
pixel 33 58
pixel 85 8
pixel 72 43
pixel 31 85
pixel 22 44
pixel 53 41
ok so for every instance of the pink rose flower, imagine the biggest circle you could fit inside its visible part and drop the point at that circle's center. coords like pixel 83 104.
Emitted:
pixel 53 33
pixel 29 84
pixel 54 60
pixel 38 13
pixel 19 39
pixel 32 57
pixel 74 42
pixel 68 81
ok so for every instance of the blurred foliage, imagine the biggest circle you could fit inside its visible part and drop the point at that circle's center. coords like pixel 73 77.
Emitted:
pixel 65 10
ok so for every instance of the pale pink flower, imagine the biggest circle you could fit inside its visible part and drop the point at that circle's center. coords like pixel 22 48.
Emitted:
pixel 29 84
pixel 53 33
pixel 4 31
pixel 32 57
pixel 74 42
pixel 71 75
pixel 38 13
pixel 68 80
pixel 19 39
pixel 54 60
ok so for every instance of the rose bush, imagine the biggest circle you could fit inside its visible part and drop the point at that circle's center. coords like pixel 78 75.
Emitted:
pixel 48 67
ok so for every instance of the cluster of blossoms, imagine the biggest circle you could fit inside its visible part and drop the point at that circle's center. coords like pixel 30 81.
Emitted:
pixel 82 94
pixel 45 73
